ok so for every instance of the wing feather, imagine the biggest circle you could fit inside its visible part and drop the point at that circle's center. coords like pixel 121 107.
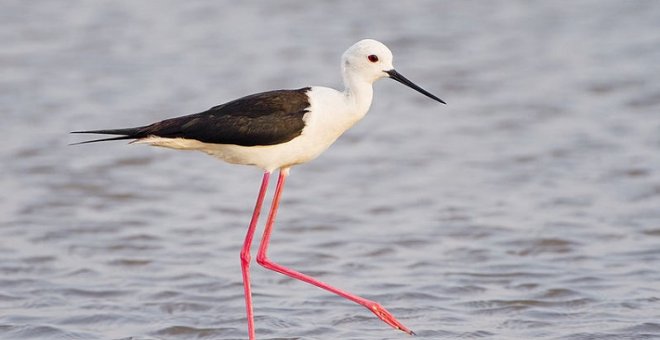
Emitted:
pixel 265 118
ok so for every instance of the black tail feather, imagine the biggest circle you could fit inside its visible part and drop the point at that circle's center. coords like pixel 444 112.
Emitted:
pixel 130 133
pixel 103 140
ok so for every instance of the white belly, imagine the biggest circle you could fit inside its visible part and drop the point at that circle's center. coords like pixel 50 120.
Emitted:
pixel 268 157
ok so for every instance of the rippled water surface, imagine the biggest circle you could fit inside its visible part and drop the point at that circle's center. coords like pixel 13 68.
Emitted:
pixel 529 207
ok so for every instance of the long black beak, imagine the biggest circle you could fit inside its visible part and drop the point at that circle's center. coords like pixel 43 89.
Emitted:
pixel 403 80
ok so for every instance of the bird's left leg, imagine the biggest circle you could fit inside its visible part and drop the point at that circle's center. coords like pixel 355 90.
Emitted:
pixel 263 260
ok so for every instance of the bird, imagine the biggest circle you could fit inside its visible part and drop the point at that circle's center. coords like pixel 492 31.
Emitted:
pixel 277 130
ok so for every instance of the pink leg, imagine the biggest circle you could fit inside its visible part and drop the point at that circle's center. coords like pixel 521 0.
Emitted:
pixel 263 260
pixel 245 254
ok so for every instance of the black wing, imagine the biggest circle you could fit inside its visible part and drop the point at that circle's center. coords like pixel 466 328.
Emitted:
pixel 265 118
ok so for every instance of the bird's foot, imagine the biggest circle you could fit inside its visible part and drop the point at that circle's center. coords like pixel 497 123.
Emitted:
pixel 387 317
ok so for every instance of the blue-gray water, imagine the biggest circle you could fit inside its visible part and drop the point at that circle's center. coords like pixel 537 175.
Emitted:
pixel 529 207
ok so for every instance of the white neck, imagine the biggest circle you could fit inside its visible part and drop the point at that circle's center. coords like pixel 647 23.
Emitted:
pixel 358 93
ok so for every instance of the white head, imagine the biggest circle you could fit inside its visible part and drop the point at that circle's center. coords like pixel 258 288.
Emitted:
pixel 369 60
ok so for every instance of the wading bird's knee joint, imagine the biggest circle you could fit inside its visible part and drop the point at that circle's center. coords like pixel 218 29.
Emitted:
pixel 245 257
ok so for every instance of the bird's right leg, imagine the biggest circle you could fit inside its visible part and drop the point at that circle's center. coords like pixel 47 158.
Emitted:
pixel 245 253
pixel 262 259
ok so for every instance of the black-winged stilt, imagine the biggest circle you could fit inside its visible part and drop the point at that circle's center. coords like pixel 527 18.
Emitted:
pixel 277 130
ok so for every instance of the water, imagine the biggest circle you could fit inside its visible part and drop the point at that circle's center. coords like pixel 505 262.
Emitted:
pixel 526 208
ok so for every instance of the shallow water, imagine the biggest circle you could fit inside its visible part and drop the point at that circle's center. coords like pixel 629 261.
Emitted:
pixel 529 207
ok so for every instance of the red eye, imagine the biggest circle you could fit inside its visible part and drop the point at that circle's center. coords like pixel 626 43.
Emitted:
pixel 373 58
